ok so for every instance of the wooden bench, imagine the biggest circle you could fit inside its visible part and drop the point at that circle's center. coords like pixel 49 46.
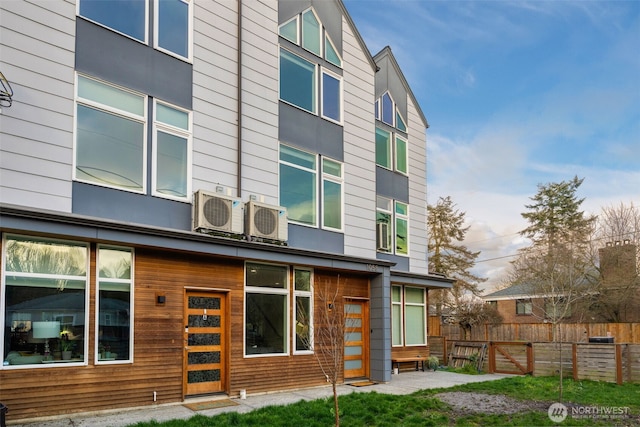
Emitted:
pixel 417 359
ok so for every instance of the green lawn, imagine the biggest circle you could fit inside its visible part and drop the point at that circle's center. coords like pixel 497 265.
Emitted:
pixel 423 409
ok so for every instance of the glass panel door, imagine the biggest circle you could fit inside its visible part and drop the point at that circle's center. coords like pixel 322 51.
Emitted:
pixel 356 343
pixel 204 343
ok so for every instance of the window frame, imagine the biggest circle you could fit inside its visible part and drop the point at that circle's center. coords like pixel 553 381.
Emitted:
pixel 396 156
pixel 316 178
pixel 339 79
pixel 398 216
pixel 159 126
pixel 382 109
pixel 129 281
pixel 3 294
pixel 116 112
pixel 388 148
pixel 423 304
pixel 315 90
pixel 303 294
pixel 327 177
pixel 320 32
pixel 524 307
pixel 284 291
pixel 382 211
pixel 297 25
pixel 328 40
pixel 401 325
pixel 146 22
pixel 156 30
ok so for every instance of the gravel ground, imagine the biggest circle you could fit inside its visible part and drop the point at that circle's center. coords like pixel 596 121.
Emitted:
pixel 471 403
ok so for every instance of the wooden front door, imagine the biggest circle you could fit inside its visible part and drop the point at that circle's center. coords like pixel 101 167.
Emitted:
pixel 356 339
pixel 204 337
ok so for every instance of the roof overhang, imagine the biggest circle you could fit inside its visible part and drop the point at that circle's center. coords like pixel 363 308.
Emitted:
pixel 20 220
pixel 431 281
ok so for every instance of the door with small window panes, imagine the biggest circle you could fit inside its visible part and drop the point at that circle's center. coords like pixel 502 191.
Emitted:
pixel 356 339
pixel 204 337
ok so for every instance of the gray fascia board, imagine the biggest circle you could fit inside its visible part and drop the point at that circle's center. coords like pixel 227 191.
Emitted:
pixel 428 280
pixel 17 219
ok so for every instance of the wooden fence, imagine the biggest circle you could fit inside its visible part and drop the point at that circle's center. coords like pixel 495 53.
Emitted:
pixel 583 361
pixel 539 332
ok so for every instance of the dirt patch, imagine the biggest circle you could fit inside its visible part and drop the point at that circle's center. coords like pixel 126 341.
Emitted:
pixel 480 403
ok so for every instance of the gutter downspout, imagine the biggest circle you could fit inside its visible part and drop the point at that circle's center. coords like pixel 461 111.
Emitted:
pixel 239 106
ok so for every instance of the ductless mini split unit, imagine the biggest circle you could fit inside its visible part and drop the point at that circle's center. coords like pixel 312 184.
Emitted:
pixel 266 221
pixel 217 212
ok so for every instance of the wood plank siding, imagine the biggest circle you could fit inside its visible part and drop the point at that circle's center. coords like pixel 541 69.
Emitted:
pixel 158 343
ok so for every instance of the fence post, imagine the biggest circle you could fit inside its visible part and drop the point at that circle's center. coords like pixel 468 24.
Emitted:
pixel 530 358
pixel 445 356
pixel 574 360
pixel 618 363
pixel 492 358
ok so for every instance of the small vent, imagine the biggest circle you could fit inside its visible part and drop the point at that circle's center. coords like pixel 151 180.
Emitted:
pixel 266 221
pixel 217 212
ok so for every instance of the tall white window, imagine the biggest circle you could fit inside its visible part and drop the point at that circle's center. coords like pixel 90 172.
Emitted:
pixel 171 166
pixel 303 303
pixel 266 309
pixel 397 324
pixel 332 194
pixel 415 316
pixel 114 304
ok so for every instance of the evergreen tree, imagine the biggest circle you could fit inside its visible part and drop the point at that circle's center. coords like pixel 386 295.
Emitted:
pixel 448 257
pixel 557 267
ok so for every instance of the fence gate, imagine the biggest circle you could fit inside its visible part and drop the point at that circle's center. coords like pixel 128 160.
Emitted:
pixel 464 353
pixel 510 357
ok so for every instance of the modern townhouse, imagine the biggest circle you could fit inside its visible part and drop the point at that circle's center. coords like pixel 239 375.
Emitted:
pixel 180 181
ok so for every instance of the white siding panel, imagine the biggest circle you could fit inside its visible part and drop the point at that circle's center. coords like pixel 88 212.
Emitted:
pixel 260 100
pixel 44 183
pixel 214 95
pixel 359 149
pixel 36 141
pixel 24 146
pixel 417 191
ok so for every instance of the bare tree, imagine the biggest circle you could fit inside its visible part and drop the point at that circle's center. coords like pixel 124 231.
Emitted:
pixel 616 249
pixel 472 312
pixel 326 339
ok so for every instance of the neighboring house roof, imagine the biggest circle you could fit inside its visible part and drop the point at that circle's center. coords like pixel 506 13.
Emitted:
pixel 386 51
pixel 519 290
pixel 526 290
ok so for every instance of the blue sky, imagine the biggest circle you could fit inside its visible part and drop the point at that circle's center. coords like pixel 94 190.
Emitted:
pixel 517 93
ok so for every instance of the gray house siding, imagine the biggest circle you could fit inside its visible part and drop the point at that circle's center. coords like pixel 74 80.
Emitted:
pixel 359 149
pixel 36 55
pixel 417 191
pixel 260 101
pixel 215 92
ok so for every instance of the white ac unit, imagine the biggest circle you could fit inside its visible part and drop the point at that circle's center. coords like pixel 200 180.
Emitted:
pixel 382 238
pixel 266 221
pixel 217 212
